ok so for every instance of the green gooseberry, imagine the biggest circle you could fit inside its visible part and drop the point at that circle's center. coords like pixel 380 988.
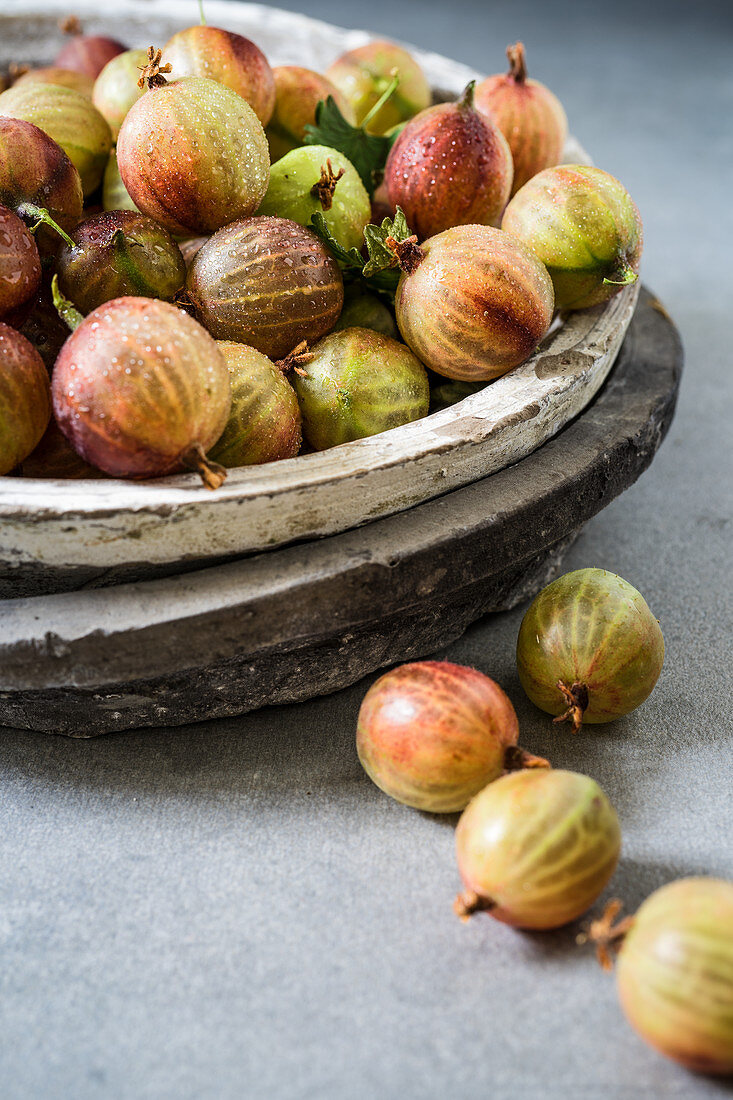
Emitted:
pixel 356 383
pixel 316 179
pixel 366 311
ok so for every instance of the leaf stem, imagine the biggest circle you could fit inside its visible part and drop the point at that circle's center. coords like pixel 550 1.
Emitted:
pixel 386 94
pixel 42 217
pixel 66 310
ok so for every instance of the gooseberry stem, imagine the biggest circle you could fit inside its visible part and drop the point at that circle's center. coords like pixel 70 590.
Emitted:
pixel 626 276
pixel 151 74
pixel 469 902
pixel 324 188
pixel 465 103
pixel 517 759
pixel 386 94
pixel 211 473
pixel 294 360
pixel 66 310
pixel 576 696
pixel 606 934
pixel 408 253
pixel 201 13
pixel 29 211
pixel 517 62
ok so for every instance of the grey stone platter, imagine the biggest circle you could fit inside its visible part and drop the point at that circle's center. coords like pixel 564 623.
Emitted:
pixel 306 620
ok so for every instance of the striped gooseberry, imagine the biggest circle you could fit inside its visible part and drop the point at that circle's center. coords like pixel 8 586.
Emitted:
pixel 266 282
pixel 450 165
pixel 536 848
pixel 363 75
pixel 192 153
pixel 86 53
pixel 362 310
pixel 80 82
pixel 431 734
pixel 115 195
pixel 68 117
pixel 118 253
pixel 264 422
pixel 118 86
pixel 36 173
pixel 298 92
pixel 530 117
pixel 355 383
pixel 584 227
pixel 140 389
pixel 589 649
pixel 675 970
pixel 20 268
pixel 472 302
pixel 25 400
pixel 230 59
pixel 316 179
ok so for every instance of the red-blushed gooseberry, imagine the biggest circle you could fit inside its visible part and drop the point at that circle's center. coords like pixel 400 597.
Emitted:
pixel 140 389
pixel 25 400
pixel 431 734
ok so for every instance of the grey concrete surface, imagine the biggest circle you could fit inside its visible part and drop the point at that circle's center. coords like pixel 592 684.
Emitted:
pixel 232 910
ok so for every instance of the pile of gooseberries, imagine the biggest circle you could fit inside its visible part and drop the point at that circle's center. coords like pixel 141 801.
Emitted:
pixel 331 247
pixel 191 277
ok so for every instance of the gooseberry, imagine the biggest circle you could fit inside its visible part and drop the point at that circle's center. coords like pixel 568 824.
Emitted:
pixel 472 302
pixel 264 422
pixel 363 310
pixel 118 86
pixel 450 165
pixel 356 383
pixel 298 92
pixel 193 155
pixel 530 117
pixel 118 253
pixel 584 227
pixel 229 59
pixel 25 400
pixel 536 848
pixel 36 173
pixel 68 78
pixel 140 389
pixel 45 329
pixel 87 53
pixel 363 76
pixel 70 119
pixel 431 734
pixel 265 282
pixel 190 247
pixel 589 648
pixel 316 179
pixel 675 973
pixel 20 268
pixel 114 193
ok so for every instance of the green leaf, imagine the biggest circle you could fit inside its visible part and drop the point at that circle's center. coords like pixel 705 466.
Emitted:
pixel 382 258
pixel 352 263
pixel 351 259
pixel 367 152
